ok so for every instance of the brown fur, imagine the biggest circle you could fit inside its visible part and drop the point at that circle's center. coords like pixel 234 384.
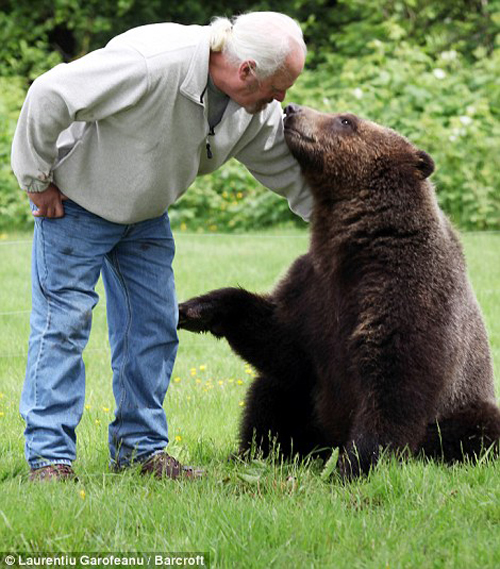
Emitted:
pixel 374 338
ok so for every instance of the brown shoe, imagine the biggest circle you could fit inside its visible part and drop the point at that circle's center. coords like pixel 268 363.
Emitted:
pixel 162 465
pixel 52 473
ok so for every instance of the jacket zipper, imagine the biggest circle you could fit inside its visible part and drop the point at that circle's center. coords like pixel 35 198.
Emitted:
pixel 211 132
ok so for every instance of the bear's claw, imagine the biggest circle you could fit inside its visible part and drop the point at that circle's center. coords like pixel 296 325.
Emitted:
pixel 194 316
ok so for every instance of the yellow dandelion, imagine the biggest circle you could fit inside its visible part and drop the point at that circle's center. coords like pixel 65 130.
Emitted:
pixel 239 195
pixel 178 438
pixel 87 406
pixel 193 371
pixel 82 494
pixel 241 403
pixel 177 379
pixel 2 414
pixel 97 421
pixel 203 367
pixel 240 382
pixel 2 395
pixel 105 409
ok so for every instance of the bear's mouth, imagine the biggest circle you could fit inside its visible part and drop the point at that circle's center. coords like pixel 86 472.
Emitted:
pixel 289 131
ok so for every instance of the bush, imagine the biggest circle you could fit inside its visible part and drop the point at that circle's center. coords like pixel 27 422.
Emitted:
pixel 230 200
pixel 443 103
pixel 14 210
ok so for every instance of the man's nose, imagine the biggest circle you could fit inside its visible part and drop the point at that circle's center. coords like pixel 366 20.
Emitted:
pixel 280 96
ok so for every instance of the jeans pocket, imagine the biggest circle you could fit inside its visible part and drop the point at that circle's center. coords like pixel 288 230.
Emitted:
pixel 70 204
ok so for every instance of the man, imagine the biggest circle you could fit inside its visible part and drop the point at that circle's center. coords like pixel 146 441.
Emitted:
pixel 103 146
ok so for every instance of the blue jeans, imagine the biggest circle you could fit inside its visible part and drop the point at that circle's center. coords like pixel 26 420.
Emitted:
pixel 69 254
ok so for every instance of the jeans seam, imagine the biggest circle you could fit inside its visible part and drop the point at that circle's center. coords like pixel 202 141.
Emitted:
pixel 116 267
pixel 43 286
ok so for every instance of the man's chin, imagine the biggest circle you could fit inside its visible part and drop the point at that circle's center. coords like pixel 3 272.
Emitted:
pixel 255 109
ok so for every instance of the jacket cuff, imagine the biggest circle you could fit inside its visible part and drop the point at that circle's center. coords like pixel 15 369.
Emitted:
pixel 36 186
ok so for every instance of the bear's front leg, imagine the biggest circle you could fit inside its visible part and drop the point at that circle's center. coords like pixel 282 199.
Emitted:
pixel 252 326
pixel 246 320
pixel 224 311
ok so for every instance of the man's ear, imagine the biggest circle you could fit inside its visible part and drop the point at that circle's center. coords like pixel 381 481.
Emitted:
pixel 425 164
pixel 246 69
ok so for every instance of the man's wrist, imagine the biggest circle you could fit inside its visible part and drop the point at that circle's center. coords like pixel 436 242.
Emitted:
pixel 37 187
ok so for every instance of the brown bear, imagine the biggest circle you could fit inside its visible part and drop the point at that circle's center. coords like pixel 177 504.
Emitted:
pixel 374 339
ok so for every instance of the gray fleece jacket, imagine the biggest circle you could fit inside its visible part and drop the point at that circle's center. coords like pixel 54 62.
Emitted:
pixel 123 130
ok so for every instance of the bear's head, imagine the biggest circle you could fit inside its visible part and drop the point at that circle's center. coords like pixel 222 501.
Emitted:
pixel 342 154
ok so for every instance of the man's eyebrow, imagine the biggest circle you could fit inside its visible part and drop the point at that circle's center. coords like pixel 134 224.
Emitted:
pixel 275 88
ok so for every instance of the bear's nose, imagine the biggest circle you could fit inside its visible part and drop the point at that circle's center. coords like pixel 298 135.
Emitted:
pixel 292 109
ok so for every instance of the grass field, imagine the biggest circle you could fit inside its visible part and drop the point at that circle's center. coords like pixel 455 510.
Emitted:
pixel 258 515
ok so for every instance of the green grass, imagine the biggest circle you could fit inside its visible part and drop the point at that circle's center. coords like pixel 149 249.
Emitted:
pixel 259 515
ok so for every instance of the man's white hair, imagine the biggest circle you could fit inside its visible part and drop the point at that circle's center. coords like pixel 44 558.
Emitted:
pixel 264 37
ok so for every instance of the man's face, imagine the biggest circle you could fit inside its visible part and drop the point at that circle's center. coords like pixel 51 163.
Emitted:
pixel 257 94
pixel 260 93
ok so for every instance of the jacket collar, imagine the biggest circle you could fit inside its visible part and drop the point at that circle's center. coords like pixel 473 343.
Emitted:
pixel 195 82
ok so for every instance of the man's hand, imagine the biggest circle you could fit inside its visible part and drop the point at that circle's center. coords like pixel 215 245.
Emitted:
pixel 48 202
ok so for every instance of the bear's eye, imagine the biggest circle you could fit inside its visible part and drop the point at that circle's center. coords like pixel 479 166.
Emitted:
pixel 344 124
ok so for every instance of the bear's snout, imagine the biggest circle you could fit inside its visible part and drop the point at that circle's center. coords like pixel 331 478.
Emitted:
pixel 292 109
pixel 299 128
pixel 290 118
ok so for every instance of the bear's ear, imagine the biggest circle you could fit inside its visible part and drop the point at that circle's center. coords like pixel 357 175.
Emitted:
pixel 425 164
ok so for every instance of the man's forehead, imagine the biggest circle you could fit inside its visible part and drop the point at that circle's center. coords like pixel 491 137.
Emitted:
pixel 294 65
pixel 295 61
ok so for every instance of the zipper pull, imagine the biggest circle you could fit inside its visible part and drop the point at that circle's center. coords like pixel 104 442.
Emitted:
pixel 209 151
pixel 207 145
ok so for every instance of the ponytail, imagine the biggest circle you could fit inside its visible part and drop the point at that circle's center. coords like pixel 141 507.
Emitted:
pixel 221 29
